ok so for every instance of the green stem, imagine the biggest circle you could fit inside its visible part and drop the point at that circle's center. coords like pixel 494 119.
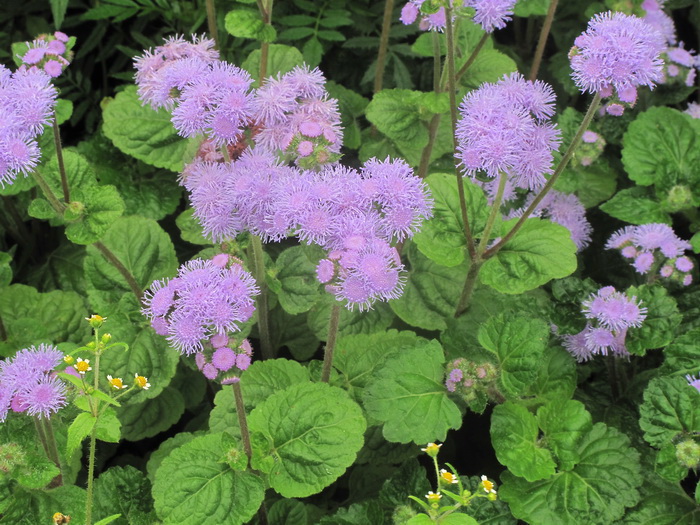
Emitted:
pixel 57 205
pixel 224 152
pixel 266 14
pixel 452 88
pixel 330 343
pixel 544 33
pixel 211 22
pixel 435 120
pixel 383 46
pixel 552 180
pixel 91 475
pixel 472 57
pixel 242 420
pixel 123 270
pixel 53 452
pixel 610 361
pixel 59 158
pixel 495 211
pixel 261 301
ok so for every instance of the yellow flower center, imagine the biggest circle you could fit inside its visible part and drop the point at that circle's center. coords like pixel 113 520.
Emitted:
pixel 141 381
pixel 82 366
pixel 433 497
pixel 488 485
pixel 116 382
pixel 432 449
pixel 448 477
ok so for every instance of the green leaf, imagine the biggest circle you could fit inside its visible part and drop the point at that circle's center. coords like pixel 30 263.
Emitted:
pixel 358 357
pixel 103 206
pixel 665 508
pixel 126 492
pixel 539 252
pixel 78 430
pixel 153 416
pixel 667 465
pixel 293 332
pixel 431 292
pixel 556 376
pixel 314 432
pixel 671 409
pixel 351 321
pixel 489 66
pixel 514 435
pixel 328 34
pixel 164 450
pixel 246 23
pixel 195 487
pixel 280 59
pixel 637 206
pixel 79 173
pixel 313 51
pixel 519 343
pixel 41 209
pixel 190 229
pixel 108 427
pixel 525 8
pixel 5 269
pixel 661 148
pixel 662 320
pixel 441 238
pixel 108 519
pixel 591 184
pixel 142 247
pixel 148 356
pixel 296 33
pixel 296 271
pixel 681 356
pixel 595 492
pixel 407 394
pixel 58 10
pixel 564 422
pixel 142 132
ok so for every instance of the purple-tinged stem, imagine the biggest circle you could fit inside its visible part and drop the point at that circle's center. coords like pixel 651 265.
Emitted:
pixel 330 343
pixel 383 46
pixel 472 57
pixel 544 33
pixel 211 22
pixel 59 158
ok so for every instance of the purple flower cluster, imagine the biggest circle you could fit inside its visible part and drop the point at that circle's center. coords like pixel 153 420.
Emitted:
pixel 615 55
pixel 49 53
pixel 611 314
pixel 354 215
pixel 218 361
pixel 299 118
pixel 505 128
pixel 489 14
pixel 28 382
pixel 206 95
pixel 470 380
pixel 206 299
pixel 565 209
pixel 27 100
pixel 654 248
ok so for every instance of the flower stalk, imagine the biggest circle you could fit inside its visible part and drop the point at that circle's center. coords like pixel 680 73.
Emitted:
pixel 330 344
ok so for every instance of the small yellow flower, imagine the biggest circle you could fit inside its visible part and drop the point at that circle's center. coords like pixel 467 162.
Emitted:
pixel 488 485
pixel 61 519
pixel 433 497
pixel 68 359
pixel 95 320
pixel 116 382
pixel 448 477
pixel 82 366
pixel 432 449
pixel 142 382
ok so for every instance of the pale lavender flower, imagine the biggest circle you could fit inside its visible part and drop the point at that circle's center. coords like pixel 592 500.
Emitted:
pixel 27 382
pixel 659 20
pixel 224 359
pixel 504 127
pixel 693 381
pixel 693 109
pixel 491 14
pixel 202 301
pixel 617 52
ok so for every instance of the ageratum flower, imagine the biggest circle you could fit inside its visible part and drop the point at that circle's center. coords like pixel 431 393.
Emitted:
pixel 617 53
pixel 654 246
pixel 610 314
pixel 204 300
pixel 489 14
pixel 28 383
pixel 505 128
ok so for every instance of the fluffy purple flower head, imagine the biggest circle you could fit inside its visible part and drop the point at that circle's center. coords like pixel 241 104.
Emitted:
pixel 202 301
pixel 693 381
pixel 659 20
pixel 47 53
pixel 154 77
pixel 27 382
pixel 504 128
pixel 693 109
pixel 617 51
pixel 613 310
pixel 491 14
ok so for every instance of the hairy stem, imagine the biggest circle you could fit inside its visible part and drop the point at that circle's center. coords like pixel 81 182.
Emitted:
pixel 59 158
pixel 242 419
pixel 552 180
pixel 56 204
pixel 211 22
pixel 452 88
pixel 52 450
pixel 261 301
pixel 435 120
pixel 265 8
pixel 91 475
pixel 544 33
pixel 123 270
pixel 383 46
pixel 330 343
